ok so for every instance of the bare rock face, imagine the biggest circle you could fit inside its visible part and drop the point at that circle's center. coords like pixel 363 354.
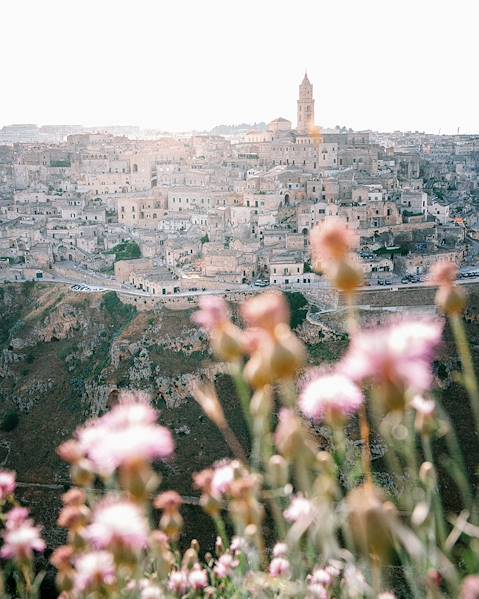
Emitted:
pixel 31 393
pixel 10 357
pixel 59 323
pixel 18 343
pixel 95 399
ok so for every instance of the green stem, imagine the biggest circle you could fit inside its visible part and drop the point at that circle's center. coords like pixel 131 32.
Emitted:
pixel 221 530
pixel 459 469
pixel 303 478
pixel 435 498
pixel 469 375
pixel 243 392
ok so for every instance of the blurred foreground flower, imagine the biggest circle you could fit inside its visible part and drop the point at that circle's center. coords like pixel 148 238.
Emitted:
pixel 332 244
pixel 330 398
pixel 21 537
pixel 450 298
pixel 7 484
pixel 119 526
pixel 397 358
pixel 215 318
pixel 127 438
pixel 276 352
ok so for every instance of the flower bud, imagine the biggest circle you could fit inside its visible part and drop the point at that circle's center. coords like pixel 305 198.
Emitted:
pixel 206 396
pixel 171 522
pixel 426 422
pixel 288 353
pixel 346 277
pixel 370 519
pixel 258 371
pixel 261 403
pixel 289 435
pixel 74 517
pixel 190 558
pixel 266 311
pixel 138 479
pixel 250 532
pixel 451 300
pixel 81 474
pixel 227 342
pixel 326 463
pixel 427 475
pixel 420 514
pixel 278 471
pixel 219 546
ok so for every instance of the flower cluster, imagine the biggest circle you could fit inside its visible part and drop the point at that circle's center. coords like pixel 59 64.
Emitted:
pixel 300 508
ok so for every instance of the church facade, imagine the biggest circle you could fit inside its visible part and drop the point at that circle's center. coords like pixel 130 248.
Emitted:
pixel 306 146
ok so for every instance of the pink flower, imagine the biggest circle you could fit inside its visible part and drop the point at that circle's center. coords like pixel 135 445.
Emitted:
pixel 94 570
pixel 169 501
pixel 330 398
pixel 396 356
pixel 280 550
pixel 320 576
pixel 225 337
pixel 317 591
pixel 238 545
pixel 7 484
pixel 128 434
pixel 151 591
pixel 279 567
pixel 222 478
pixel 21 538
pixel 16 516
pixel 198 578
pixel 300 508
pixel 443 274
pixel 118 525
pixel 332 241
pixel 425 407
pixel 212 314
pixel 266 311
pixel 225 565
pixel 470 587
pixel 178 582
pixel 143 442
pixel 132 409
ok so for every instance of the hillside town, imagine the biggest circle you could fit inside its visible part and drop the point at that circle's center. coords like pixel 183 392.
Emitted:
pixel 169 214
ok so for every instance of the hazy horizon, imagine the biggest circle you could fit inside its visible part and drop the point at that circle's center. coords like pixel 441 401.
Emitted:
pixel 192 65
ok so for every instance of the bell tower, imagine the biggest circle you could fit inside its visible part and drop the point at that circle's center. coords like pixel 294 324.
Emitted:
pixel 305 106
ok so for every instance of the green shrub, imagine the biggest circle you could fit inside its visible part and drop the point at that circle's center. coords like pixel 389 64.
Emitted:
pixel 298 305
pixel 27 287
pixel 116 308
pixel 127 250
pixel 9 421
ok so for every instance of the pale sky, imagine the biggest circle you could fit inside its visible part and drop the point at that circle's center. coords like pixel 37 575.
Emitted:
pixel 192 64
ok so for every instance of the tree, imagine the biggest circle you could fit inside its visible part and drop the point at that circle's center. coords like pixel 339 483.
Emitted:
pixel 9 422
pixel 127 250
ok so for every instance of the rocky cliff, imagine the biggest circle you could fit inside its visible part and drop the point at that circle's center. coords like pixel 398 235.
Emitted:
pixel 63 355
